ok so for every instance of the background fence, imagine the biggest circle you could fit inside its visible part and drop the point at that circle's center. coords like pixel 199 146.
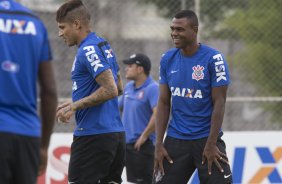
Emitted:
pixel 248 32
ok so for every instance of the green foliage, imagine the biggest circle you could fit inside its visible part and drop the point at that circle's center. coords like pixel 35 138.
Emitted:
pixel 211 11
pixel 170 7
pixel 259 26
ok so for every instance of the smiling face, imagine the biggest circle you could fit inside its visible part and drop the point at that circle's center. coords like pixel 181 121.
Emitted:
pixel 183 34
pixel 68 31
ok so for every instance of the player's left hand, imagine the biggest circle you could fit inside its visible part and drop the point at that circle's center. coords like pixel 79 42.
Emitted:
pixel 140 141
pixel 212 155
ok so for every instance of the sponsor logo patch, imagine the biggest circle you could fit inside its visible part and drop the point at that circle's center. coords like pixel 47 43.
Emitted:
pixel 5 4
pixel 219 68
pixel 186 92
pixel 10 66
pixel 92 57
pixel 14 26
pixel 109 53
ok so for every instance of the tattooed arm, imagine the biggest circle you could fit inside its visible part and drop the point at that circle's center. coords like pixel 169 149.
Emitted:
pixel 119 85
pixel 106 91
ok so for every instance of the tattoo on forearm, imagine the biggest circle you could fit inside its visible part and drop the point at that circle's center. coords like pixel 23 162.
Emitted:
pixel 107 90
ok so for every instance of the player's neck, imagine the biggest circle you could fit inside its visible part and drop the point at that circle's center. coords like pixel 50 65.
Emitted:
pixel 190 50
pixel 140 80
pixel 82 36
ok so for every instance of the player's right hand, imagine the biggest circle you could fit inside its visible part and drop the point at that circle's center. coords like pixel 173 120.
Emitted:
pixel 160 154
pixel 64 112
pixel 140 141
pixel 64 104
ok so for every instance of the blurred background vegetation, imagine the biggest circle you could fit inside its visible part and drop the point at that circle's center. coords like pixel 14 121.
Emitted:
pixel 247 32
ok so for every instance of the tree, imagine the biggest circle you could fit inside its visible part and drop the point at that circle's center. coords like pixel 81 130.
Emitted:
pixel 211 11
pixel 259 26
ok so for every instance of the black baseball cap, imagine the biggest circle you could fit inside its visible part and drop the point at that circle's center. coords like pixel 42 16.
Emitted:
pixel 139 59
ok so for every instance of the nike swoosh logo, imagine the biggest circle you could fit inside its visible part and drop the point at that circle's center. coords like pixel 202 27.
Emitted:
pixel 174 71
pixel 227 176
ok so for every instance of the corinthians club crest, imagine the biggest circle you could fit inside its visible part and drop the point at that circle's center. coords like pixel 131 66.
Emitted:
pixel 198 73
pixel 140 95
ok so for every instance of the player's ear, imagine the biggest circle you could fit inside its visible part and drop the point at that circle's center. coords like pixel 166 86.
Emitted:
pixel 195 28
pixel 77 23
pixel 141 69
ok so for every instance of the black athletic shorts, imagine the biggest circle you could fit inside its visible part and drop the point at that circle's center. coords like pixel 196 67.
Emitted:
pixel 97 158
pixel 19 158
pixel 187 156
pixel 140 164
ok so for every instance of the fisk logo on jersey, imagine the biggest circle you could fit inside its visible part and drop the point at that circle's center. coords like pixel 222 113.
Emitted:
pixel 198 73
pixel 219 68
pixel 92 57
pixel 14 26
pixel 186 92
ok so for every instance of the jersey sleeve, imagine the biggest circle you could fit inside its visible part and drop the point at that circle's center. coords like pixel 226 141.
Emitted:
pixel 219 70
pixel 94 60
pixel 154 95
pixel 110 58
pixel 163 74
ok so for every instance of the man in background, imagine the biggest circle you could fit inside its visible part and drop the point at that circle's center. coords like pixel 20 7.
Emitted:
pixel 98 148
pixel 139 110
pixel 25 59
pixel 193 84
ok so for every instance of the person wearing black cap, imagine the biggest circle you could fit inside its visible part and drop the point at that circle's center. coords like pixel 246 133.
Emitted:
pixel 139 108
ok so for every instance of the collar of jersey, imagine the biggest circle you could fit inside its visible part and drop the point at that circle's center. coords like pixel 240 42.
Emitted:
pixel 146 83
pixel 86 38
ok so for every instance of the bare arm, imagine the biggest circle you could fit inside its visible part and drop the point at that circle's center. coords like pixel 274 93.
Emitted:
pixel 163 111
pixel 119 85
pixel 48 104
pixel 151 125
pixel 150 128
pixel 218 98
pixel 211 152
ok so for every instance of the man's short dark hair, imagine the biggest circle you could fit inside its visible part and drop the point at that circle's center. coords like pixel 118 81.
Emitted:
pixel 189 14
pixel 72 10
